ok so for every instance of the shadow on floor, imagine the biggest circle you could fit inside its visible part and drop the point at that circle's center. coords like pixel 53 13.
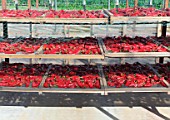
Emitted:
pixel 145 100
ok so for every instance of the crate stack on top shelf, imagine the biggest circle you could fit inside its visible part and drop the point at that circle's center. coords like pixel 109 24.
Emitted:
pixel 96 78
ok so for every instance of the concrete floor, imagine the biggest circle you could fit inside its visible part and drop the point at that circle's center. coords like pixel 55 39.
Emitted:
pixel 120 106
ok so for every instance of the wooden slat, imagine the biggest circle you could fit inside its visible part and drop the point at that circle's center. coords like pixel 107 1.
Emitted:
pixel 107 12
pixel 102 75
pixel 52 56
pixel 139 54
pixel 166 3
pixel 55 20
pixel 103 46
pixel 155 71
pixel 103 80
pixel 4 4
pixel 37 4
pixel 159 29
pixel 139 19
pixel 29 4
pixel 50 90
pixel 153 89
pixel 100 45
pixel 158 43
pixel 40 50
pixel 127 3
pixel 135 4
pixel 124 30
pixel 45 76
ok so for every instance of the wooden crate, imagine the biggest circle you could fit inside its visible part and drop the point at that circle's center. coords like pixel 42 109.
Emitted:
pixel 41 89
pixel 109 89
pixel 39 54
pixel 137 19
pixel 56 20
pixel 133 54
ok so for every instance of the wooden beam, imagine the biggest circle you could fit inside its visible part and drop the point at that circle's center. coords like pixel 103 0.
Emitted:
pixel 127 3
pixel 3 4
pixel 166 4
pixel 29 4
pixel 37 3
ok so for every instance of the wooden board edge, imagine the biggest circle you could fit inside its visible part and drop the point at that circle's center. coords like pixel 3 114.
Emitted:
pixel 40 50
pixel 52 56
pixel 138 54
pixel 100 46
pixel 45 76
pixel 124 90
pixel 50 90
pixel 108 12
pixel 156 72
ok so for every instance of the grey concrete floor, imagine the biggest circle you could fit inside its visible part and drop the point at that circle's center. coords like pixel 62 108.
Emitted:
pixel 119 106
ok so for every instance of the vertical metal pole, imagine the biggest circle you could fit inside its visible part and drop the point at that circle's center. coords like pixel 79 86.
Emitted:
pixel 107 30
pixel 30 30
pixel 84 5
pixel 5 29
pixel 55 4
pixel 166 3
pixel 127 3
pixel 150 3
pixel 29 4
pixel 16 4
pixel 91 30
pixel 117 5
pixel 164 29
pixel 3 4
pixel 50 4
pixel 108 4
pixel 37 4
pixel 5 35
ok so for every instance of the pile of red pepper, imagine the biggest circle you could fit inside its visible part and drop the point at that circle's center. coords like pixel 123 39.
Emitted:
pixel 164 41
pixel 27 45
pixel 86 45
pixel 18 74
pixel 51 14
pixel 127 44
pixel 73 77
pixel 131 75
pixel 140 12
pixel 164 71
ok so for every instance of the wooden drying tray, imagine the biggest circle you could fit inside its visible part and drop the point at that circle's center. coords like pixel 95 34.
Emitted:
pixel 109 89
pixel 133 54
pixel 56 20
pixel 55 90
pixel 39 54
pixel 114 19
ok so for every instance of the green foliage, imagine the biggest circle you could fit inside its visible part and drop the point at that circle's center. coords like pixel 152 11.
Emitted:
pixel 77 4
